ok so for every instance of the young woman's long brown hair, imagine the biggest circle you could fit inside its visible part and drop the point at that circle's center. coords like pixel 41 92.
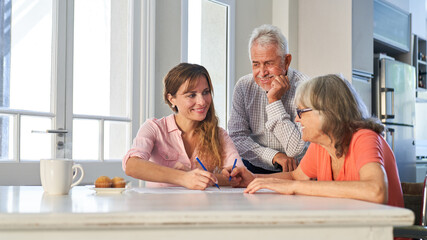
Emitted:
pixel 209 145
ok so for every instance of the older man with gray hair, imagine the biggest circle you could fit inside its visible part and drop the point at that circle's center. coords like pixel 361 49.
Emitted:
pixel 262 117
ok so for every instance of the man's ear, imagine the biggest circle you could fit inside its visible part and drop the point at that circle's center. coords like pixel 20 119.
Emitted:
pixel 288 59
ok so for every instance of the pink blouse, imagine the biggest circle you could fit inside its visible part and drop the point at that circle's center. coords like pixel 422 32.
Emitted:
pixel 160 141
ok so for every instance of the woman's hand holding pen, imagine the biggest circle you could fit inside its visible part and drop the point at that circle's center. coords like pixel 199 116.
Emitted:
pixel 240 176
pixel 198 179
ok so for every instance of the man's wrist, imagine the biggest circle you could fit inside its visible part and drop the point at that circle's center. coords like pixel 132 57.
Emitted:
pixel 269 155
pixel 272 100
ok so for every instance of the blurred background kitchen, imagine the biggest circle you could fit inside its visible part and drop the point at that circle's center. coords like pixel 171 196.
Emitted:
pixel 79 77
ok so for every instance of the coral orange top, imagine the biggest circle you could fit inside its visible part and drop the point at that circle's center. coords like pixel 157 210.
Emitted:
pixel 366 146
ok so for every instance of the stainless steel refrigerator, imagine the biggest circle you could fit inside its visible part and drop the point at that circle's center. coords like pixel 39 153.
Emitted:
pixel 393 102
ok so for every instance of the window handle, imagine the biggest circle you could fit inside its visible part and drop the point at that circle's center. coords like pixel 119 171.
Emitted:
pixel 58 131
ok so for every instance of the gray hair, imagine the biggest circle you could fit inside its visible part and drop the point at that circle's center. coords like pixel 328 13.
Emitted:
pixel 268 34
pixel 335 86
pixel 341 109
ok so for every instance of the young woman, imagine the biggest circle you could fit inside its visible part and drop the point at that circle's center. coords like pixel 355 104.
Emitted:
pixel 347 157
pixel 164 151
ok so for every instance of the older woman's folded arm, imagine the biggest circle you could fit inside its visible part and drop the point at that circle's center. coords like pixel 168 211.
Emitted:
pixel 371 187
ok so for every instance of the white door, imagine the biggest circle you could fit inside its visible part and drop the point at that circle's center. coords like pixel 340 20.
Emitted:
pixel 208 40
pixel 67 85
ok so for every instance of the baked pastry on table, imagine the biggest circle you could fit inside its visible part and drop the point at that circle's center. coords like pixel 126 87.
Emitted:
pixel 118 182
pixel 103 182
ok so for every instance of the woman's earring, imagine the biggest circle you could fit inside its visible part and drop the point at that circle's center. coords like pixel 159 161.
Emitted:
pixel 173 106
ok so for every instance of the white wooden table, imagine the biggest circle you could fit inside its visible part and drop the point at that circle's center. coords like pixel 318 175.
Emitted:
pixel 27 213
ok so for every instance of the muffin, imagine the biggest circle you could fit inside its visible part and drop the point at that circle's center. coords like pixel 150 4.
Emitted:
pixel 118 182
pixel 103 182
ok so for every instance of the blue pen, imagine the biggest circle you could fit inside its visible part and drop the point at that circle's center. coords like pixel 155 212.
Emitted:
pixel 234 165
pixel 201 164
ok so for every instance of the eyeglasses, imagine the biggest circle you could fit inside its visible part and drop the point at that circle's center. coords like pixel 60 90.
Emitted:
pixel 301 111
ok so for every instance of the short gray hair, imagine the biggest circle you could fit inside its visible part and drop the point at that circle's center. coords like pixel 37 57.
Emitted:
pixel 268 34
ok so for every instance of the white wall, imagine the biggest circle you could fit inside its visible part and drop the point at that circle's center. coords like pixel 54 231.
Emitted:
pixel 281 14
pixel 418 10
pixel 249 15
pixel 325 37
pixel 285 16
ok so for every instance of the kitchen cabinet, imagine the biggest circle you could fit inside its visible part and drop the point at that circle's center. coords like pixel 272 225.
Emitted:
pixel 362 50
pixel 362 31
pixel 420 64
pixel 392 28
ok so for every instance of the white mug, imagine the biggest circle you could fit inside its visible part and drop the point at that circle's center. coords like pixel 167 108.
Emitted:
pixel 57 175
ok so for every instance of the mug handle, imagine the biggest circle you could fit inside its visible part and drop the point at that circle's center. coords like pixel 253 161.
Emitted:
pixel 75 167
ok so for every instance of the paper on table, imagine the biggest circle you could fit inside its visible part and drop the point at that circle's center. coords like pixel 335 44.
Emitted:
pixel 181 190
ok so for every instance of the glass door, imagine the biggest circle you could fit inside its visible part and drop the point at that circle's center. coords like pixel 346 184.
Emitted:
pixel 101 80
pixel 208 40
pixel 67 85
pixel 27 80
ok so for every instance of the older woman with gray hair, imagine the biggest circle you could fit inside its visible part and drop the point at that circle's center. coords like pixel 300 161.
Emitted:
pixel 348 156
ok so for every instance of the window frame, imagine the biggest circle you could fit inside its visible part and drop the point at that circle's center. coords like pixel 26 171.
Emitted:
pixel 142 81
pixel 231 8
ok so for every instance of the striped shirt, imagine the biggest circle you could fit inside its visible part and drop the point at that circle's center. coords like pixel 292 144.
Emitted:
pixel 261 130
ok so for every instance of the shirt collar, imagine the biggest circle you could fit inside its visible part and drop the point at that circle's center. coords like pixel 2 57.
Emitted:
pixel 291 73
pixel 171 123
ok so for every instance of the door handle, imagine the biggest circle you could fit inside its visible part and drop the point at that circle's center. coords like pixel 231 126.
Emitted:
pixel 57 131
pixel 391 131
pixel 385 91
pixel 60 132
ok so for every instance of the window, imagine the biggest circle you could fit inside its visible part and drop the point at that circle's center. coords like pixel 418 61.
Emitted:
pixel 67 82
pixel 101 79
pixel 26 78
pixel 208 29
